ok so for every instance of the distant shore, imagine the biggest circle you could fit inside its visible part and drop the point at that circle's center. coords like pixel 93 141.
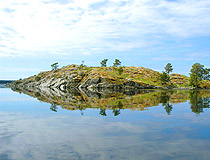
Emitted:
pixel 6 81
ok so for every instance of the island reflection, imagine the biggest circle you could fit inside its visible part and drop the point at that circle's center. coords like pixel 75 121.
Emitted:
pixel 138 100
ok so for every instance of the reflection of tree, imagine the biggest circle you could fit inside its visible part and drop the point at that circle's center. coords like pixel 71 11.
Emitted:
pixel 81 109
pixel 116 109
pixel 115 101
pixel 164 99
pixel 206 102
pixel 116 112
pixel 168 108
pixel 198 103
pixel 120 105
pixel 53 108
pixel 103 112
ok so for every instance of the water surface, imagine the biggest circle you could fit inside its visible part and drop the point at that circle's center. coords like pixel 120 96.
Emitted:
pixel 130 125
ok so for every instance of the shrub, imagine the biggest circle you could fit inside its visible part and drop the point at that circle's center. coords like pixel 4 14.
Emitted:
pixel 37 78
pixel 120 70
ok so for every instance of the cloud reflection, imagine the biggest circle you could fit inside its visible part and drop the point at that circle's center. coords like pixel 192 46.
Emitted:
pixel 90 137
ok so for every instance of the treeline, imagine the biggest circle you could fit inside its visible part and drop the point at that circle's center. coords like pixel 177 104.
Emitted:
pixel 5 81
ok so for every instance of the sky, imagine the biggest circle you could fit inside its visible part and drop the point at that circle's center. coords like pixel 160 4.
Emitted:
pixel 144 33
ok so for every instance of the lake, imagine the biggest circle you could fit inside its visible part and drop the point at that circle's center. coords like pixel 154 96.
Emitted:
pixel 135 125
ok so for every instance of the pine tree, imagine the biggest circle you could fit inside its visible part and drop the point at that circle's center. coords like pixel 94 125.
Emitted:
pixel 103 63
pixel 54 66
pixel 168 68
pixel 196 74
pixel 117 63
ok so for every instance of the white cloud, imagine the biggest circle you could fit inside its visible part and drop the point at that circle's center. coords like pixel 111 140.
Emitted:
pixel 53 27
pixel 87 53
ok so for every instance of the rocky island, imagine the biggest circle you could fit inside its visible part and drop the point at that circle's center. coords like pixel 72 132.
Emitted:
pixel 79 87
pixel 77 77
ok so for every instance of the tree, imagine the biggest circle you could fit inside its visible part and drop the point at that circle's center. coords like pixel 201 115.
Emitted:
pixel 168 68
pixel 82 65
pixel 54 66
pixel 164 78
pixel 117 63
pixel 120 70
pixel 206 75
pixel 103 63
pixel 196 74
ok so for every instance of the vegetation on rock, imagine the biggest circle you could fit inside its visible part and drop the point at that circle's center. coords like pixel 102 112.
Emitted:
pixel 164 78
pixel 168 68
pixel 120 70
pixel 117 63
pixel 81 76
pixel 54 66
pixel 103 62
pixel 197 74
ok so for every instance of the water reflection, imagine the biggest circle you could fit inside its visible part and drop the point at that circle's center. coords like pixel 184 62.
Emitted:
pixel 2 86
pixel 198 101
pixel 29 130
pixel 117 100
pixel 53 107
pixel 165 99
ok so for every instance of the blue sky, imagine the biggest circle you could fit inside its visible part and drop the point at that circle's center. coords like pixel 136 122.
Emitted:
pixel 36 33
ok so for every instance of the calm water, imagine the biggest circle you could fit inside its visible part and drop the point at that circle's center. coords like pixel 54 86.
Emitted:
pixel 148 125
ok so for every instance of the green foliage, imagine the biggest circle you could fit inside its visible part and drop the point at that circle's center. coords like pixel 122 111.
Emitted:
pixel 168 68
pixel 37 78
pixel 206 75
pixel 117 63
pixel 103 63
pixel 54 66
pixel 196 74
pixel 198 102
pixel 103 112
pixel 168 108
pixel 120 70
pixel 164 78
pixel 82 65
pixel 116 112
pixel 53 107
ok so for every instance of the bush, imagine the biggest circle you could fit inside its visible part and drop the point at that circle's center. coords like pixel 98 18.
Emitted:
pixel 164 78
pixel 37 78
pixel 120 70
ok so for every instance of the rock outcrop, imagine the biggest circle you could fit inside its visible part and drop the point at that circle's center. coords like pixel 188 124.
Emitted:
pixel 90 78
